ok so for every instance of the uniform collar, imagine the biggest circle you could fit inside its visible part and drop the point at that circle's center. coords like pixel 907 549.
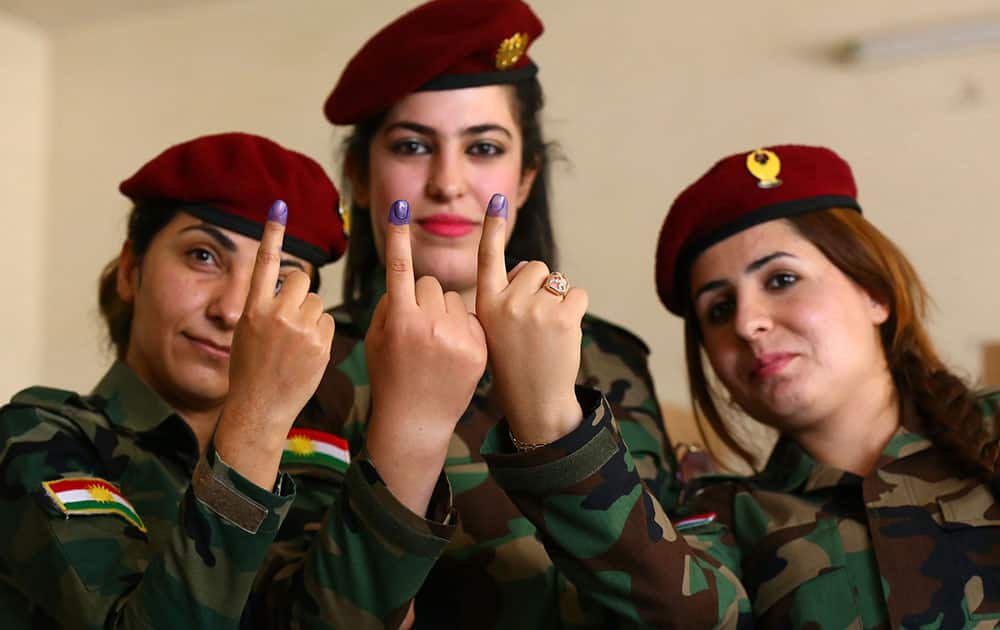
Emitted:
pixel 129 402
pixel 790 468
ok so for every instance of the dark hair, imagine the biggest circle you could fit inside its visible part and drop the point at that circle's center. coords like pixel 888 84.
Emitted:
pixel 946 405
pixel 144 222
pixel 532 238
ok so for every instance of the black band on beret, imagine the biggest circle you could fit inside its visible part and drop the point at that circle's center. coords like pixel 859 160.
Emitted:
pixel 255 230
pixel 477 79
pixel 781 210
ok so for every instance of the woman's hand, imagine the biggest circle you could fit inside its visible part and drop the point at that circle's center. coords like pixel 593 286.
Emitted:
pixel 533 337
pixel 426 354
pixel 280 349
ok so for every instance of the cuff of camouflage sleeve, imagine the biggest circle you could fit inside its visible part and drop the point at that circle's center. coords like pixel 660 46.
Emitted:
pixel 238 500
pixel 375 505
pixel 567 461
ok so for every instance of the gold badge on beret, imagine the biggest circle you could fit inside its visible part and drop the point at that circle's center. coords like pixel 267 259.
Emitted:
pixel 765 166
pixel 510 50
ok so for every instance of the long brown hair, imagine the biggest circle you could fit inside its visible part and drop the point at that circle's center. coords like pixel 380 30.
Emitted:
pixel 952 418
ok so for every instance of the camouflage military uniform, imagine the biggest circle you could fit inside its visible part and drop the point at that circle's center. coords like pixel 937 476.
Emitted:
pixel 910 545
pixel 187 554
pixel 494 572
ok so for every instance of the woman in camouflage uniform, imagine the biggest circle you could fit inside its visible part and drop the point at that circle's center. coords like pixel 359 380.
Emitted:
pixel 152 501
pixel 878 506
pixel 445 105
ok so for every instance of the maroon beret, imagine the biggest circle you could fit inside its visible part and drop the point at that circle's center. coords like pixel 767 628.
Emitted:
pixel 231 180
pixel 741 191
pixel 440 45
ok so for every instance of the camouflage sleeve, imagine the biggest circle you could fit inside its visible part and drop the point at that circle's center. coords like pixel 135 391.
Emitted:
pixel 607 532
pixel 354 557
pixel 103 570
pixel 615 362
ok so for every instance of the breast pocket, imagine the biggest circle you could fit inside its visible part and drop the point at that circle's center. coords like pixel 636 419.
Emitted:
pixel 799 577
pixel 971 524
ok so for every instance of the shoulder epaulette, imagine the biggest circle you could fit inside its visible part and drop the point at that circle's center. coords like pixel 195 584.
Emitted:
pixel 39 394
pixel 61 402
pixel 598 322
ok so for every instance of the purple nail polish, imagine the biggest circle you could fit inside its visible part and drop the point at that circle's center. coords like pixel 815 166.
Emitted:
pixel 278 212
pixel 497 206
pixel 399 213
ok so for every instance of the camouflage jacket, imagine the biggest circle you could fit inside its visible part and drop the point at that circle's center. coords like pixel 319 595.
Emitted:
pixel 913 544
pixel 494 573
pixel 113 521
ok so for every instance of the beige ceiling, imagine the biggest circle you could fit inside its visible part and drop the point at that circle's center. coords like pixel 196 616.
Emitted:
pixel 56 15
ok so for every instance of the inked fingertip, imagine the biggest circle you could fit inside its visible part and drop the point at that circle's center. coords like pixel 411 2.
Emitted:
pixel 278 212
pixel 497 206
pixel 399 212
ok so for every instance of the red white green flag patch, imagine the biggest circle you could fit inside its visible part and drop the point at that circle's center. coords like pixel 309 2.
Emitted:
pixel 316 448
pixel 89 495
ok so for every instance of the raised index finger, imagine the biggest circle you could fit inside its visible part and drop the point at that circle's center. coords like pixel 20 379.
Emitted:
pixel 492 273
pixel 267 265
pixel 399 283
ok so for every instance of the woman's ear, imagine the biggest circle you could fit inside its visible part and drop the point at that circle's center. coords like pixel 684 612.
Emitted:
pixel 879 308
pixel 527 181
pixel 127 280
pixel 358 180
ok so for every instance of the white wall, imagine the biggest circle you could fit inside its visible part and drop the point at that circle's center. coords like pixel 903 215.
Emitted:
pixel 25 112
pixel 643 100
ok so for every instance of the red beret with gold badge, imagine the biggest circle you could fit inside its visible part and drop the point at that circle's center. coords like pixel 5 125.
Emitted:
pixel 231 180
pixel 440 45
pixel 741 191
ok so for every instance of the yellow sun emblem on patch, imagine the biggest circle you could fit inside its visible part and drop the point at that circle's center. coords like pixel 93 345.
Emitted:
pixel 510 50
pixel 301 445
pixel 101 494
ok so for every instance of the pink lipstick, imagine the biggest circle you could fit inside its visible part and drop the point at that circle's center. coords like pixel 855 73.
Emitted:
pixel 447 225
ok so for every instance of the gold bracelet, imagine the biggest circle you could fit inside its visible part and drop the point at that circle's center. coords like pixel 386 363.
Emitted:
pixel 524 447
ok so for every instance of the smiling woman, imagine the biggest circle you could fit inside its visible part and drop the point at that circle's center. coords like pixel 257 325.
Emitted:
pixel 878 507
pixel 451 260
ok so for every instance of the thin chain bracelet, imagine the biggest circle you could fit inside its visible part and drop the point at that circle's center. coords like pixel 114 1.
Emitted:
pixel 524 447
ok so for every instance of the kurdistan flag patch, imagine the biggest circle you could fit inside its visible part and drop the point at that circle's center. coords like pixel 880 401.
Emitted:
pixel 316 448
pixel 90 495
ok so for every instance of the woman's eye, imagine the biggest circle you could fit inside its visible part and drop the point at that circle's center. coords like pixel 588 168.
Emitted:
pixel 202 256
pixel 781 280
pixel 719 312
pixel 410 147
pixel 485 148
pixel 277 285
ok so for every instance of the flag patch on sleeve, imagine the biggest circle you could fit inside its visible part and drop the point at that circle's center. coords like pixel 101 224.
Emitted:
pixel 90 495
pixel 316 448
pixel 694 521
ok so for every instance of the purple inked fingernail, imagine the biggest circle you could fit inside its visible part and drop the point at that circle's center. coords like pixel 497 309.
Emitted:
pixel 497 206
pixel 399 213
pixel 278 212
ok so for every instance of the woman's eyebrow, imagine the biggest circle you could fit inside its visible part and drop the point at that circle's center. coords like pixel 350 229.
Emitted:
pixel 760 262
pixel 476 130
pixel 412 126
pixel 711 285
pixel 224 241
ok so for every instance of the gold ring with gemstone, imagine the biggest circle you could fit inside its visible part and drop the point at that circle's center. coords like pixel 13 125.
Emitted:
pixel 556 284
